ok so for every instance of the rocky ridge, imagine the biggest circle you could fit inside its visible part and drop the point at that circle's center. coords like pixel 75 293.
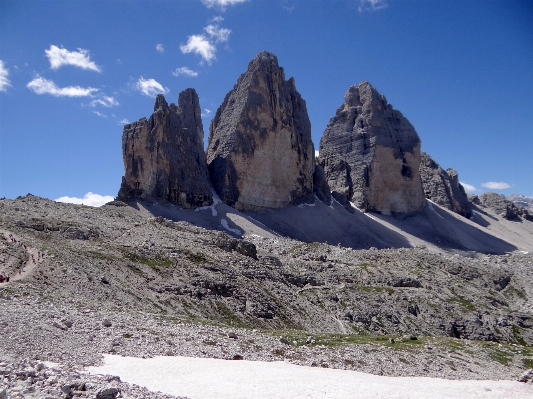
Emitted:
pixel 164 157
pixel 443 187
pixel 371 155
pixel 522 200
pixel 505 208
pixel 260 154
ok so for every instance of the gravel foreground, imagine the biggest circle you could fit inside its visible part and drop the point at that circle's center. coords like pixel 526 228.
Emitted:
pixel 88 282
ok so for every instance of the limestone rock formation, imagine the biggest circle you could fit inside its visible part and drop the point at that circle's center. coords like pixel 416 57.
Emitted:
pixel 320 184
pixel 260 154
pixel 371 155
pixel 503 207
pixel 443 187
pixel 164 156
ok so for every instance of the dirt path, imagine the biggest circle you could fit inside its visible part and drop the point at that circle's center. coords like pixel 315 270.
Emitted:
pixel 34 256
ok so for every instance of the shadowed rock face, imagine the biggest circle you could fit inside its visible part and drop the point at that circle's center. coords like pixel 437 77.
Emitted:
pixel 505 208
pixel 164 157
pixel 371 155
pixel 260 154
pixel 443 187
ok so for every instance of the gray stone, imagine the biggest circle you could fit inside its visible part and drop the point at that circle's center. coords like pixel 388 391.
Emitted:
pixel 106 323
pixel 443 187
pixel 503 207
pixel 260 154
pixel 108 393
pixel 527 376
pixel 164 156
pixel 371 155
pixel 320 184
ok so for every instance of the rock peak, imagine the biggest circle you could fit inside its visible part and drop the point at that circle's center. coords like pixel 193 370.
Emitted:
pixel 371 154
pixel 160 102
pixel 260 154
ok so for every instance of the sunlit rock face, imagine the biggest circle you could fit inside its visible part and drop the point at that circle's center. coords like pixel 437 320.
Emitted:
pixel 164 155
pixel 443 187
pixel 260 154
pixel 371 155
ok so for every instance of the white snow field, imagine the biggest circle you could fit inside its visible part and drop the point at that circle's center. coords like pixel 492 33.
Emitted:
pixel 199 378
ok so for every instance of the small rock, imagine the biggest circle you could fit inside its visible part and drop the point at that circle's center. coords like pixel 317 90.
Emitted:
pixel 527 376
pixel 413 338
pixel 232 335
pixel 3 394
pixel 310 340
pixel 104 280
pixel 237 357
pixel 108 393
pixel 57 325
pixel 106 323
pixel 284 340
pixel 391 340
pixel 66 389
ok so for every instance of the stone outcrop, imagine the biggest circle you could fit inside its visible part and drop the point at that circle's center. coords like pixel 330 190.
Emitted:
pixel 164 156
pixel 260 154
pixel 503 207
pixel 371 155
pixel 320 184
pixel 443 187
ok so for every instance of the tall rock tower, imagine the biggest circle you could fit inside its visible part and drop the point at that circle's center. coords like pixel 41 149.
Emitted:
pixel 371 155
pixel 164 155
pixel 260 154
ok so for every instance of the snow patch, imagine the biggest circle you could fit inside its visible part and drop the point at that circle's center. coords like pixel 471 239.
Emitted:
pixel 225 224
pixel 201 378
pixel 302 205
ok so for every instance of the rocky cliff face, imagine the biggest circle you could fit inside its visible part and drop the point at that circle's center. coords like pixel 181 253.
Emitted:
pixel 260 153
pixel 522 200
pixel 443 187
pixel 371 155
pixel 164 156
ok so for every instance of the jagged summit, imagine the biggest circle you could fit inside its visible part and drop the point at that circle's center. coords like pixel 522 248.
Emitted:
pixel 371 154
pixel 164 157
pixel 260 154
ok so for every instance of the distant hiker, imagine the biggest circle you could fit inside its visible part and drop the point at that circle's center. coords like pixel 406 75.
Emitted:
pixel 7 279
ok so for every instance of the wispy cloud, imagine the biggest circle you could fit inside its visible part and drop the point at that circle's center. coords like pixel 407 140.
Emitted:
pixel 160 48
pixel 4 73
pixel 100 114
pixel 43 86
pixel 184 71
pixel 61 56
pixel 90 199
pixel 124 122
pixel 104 101
pixel 494 185
pixel 150 87
pixel 200 45
pixel 470 189
pixel 219 34
pixel 205 113
pixel 372 5
pixel 218 18
pixel 221 4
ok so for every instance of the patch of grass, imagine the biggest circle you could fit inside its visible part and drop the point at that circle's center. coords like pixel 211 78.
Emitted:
pixel 518 336
pixel 153 263
pixel 511 291
pixel 100 255
pixel 500 356
pixel 528 363
pixel 462 301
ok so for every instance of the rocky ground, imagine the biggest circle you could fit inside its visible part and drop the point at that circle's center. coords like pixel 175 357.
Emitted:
pixel 108 280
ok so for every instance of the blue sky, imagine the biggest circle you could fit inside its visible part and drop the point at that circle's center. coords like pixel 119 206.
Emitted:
pixel 72 72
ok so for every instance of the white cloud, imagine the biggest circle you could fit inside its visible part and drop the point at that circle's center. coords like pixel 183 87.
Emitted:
pixel 494 185
pixel 160 48
pixel 124 122
pixel 199 44
pixel 469 188
pixel 221 4
pixel 43 86
pixel 100 114
pixel 317 153
pixel 218 18
pixel 105 101
pixel 372 5
pixel 219 34
pixel 4 73
pixel 61 56
pixel 90 199
pixel 184 71
pixel 150 87
pixel 206 112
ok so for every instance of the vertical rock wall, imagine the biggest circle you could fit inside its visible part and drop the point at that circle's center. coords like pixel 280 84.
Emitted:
pixel 164 156
pixel 371 155
pixel 260 154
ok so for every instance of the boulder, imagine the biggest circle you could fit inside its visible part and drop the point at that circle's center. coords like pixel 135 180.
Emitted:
pixel 260 154
pixel 371 155
pixel 443 187
pixel 164 156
